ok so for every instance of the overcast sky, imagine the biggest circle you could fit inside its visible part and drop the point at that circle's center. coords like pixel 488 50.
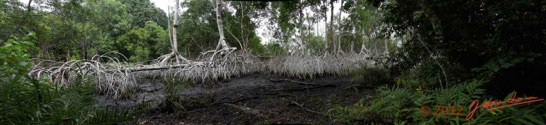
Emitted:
pixel 163 4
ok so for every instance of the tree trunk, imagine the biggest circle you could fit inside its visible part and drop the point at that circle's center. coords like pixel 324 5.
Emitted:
pixel 173 39
pixel 332 45
pixel 28 6
pixel 353 33
pixel 363 48
pixel 245 41
pixel 84 49
pixel 340 27
pixel 302 36
pixel 174 44
pixel 221 42
pixel 326 30
pixel 386 45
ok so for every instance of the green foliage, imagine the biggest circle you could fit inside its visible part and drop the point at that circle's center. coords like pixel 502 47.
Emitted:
pixel 274 49
pixel 389 106
pixel 172 101
pixel 198 32
pixel 79 29
pixel 365 19
pixel 503 42
pixel 40 102
pixel 404 105
pixel 495 66
pixel 141 43
pixel 14 58
pixel 314 43
pixel 429 75
pixel 12 15
pixel 24 100
pixel 256 45
pixel 142 11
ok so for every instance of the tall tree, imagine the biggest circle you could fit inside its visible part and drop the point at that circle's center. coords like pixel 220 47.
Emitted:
pixel 332 44
pixel 222 46
pixel 174 43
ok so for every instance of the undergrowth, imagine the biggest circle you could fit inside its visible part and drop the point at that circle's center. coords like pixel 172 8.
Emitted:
pixel 25 100
pixel 402 105
pixel 372 77
pixel 173 102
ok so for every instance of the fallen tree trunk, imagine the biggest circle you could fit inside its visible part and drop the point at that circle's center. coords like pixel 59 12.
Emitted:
pixel 136 69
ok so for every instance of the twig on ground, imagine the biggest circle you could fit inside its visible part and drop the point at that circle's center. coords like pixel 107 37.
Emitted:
pixel 306 109
pixel 245 109
pixel 307 88
pixel 292 81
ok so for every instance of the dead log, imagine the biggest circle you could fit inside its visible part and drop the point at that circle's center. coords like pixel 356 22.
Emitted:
pixel 136 69
pixel 143 68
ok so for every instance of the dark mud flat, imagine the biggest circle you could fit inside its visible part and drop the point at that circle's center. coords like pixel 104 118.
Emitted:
pixel 257 99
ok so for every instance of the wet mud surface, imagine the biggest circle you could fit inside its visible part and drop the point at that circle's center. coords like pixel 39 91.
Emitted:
pixel 251 99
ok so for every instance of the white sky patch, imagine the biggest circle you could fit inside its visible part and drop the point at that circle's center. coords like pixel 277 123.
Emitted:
pixel 163 4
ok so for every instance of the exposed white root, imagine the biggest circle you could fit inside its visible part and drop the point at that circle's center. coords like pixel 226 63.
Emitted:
pixel 120 80
pixel 171 58
pixel 117 79
pixel 310 66
pixel 111 78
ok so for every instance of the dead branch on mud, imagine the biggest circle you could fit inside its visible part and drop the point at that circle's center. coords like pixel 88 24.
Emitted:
pixel 245 109
pixel 306 88
pixel 291 81
pixel 306 109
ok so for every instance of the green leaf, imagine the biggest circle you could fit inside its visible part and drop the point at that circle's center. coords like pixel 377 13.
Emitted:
pixel 506 65
pixel 534 119
pixel 23 64
pixel 523 121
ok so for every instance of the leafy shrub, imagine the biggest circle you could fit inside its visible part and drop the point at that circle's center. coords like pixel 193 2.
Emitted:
pixel 24 100
pixel 172 102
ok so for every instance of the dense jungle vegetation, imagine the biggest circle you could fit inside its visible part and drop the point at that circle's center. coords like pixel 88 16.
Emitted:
pixel 58 56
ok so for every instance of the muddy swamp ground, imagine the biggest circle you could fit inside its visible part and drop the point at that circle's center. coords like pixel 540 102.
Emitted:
pixel 250 99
